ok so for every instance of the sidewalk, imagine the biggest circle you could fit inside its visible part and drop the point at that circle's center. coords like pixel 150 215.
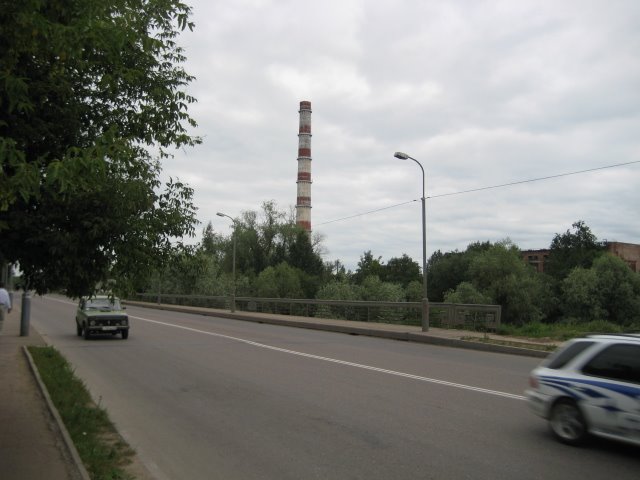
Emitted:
pixel 31 444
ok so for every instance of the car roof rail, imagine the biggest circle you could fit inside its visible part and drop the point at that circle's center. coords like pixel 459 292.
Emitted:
pixel 635 336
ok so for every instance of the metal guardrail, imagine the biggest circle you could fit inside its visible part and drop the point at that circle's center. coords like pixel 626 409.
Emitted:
pixel 443 315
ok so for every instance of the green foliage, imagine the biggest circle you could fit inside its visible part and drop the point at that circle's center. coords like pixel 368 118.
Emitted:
pixel 564 330
pixel 465 292
pixel 501 275
pixel 447 270
pixel 374 289
pixel 267 239
pixel 572 249
pixel 339 290
pixel 213 244
pixel 190 271
pixel 302 256
pixel 89 91
pixel 619 289
pixel 484 273
pixel 402 270
pixel 414 291
pixel 609 290
pixel 580 295
pixel 367 266
pixel 103 452
pixel 281 281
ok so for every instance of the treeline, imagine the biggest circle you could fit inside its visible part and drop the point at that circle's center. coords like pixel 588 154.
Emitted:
pixel 582 283
pixel 277 259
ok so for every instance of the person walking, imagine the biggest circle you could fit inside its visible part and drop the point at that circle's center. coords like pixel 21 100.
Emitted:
pixel 5 304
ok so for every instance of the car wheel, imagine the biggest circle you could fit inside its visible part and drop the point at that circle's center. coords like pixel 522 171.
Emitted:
pixel 78 330
pixel 567 422
pixel 86 332
pixel 125 334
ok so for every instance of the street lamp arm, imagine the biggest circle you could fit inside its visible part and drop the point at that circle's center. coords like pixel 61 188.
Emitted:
pixel 404 156
pixel 220 214
pixel 423 176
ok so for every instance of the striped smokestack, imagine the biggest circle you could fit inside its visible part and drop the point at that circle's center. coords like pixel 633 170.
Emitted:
pixel 303 203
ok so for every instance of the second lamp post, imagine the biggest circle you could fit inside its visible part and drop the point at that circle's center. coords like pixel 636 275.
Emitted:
pixel 425 299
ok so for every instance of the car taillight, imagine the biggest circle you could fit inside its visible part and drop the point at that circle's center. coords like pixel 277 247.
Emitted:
pixel 533 382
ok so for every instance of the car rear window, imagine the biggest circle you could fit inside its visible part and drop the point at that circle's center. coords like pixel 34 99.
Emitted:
pixel 563 356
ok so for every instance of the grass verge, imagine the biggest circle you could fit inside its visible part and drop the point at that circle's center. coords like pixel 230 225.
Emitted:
pixel 562 331
pixel 531 346
pixel 102 450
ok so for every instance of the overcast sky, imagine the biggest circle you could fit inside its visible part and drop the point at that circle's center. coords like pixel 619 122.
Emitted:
pixel 482 93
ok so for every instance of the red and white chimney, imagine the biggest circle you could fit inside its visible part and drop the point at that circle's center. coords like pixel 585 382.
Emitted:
pixel 303 203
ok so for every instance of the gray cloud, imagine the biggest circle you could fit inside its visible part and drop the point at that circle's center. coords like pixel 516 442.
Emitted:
pixel 482 93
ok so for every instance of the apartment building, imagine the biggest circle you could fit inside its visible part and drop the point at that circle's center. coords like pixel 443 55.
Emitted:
pixel 629 252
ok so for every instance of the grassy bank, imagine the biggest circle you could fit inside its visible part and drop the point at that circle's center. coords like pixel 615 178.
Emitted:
pixel 563 330
pixel 104 454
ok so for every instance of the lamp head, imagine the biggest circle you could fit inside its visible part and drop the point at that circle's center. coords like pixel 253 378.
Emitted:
pixel 220 214
pixel 401 156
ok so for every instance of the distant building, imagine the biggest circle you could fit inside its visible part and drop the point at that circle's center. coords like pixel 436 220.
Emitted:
pixel 629 252
pixel 535 258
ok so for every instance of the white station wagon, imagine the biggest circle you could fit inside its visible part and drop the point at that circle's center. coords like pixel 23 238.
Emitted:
pixel 588 386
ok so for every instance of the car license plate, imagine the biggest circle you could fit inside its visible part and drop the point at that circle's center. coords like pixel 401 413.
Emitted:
pixel 109 328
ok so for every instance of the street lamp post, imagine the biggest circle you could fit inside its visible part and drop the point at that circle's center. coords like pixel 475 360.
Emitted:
pixel 233 290
pixel 425 299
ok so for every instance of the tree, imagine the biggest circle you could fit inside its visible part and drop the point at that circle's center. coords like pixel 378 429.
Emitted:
pixel 367 266
pixel 466 292
pixel 335 270
pixel 302 256
pixel 375 290
pixel 414 291
pixel 609 290
pixel 500 274
pixel 618 288
pixel 339 289
pixel 270 228
pixel 402 271
pixel 251 256
pixel 213 244
pixel 281 281
pixel 580 299
pixel 89 91
pixel 446 271
pixel 572 249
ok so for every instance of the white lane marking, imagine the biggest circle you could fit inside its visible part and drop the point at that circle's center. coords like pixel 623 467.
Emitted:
pixel 333 360
pixel 59 300
pixel 341 362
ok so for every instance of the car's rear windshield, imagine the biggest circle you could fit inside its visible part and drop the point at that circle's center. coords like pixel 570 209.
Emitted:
pixel 564 355
pixel 100 303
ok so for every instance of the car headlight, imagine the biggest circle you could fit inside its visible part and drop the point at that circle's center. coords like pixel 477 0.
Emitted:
pixel 92 323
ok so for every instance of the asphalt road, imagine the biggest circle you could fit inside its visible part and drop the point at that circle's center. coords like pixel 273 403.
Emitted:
pixel 209 398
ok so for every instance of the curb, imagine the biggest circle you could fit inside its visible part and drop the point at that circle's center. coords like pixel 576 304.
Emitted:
pixel 71 448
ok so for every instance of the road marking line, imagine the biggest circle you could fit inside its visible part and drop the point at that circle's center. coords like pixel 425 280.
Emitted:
pixel 341 362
